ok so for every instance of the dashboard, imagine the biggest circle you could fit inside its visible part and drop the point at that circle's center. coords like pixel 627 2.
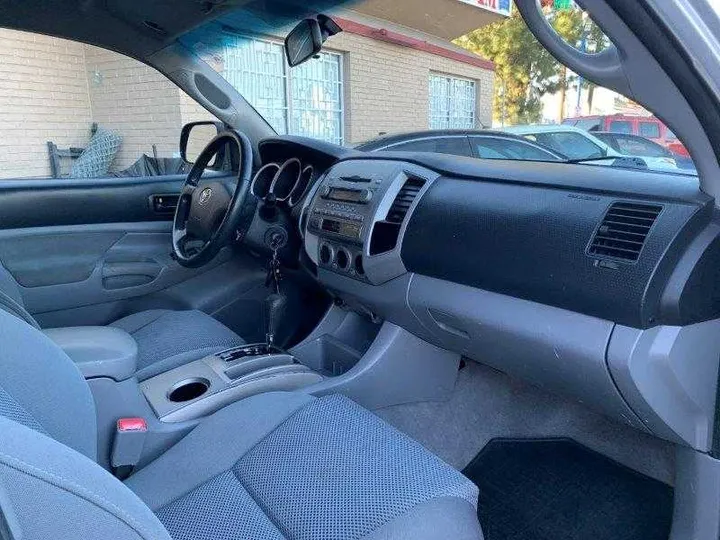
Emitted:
pixel 575 277
pixel 603 244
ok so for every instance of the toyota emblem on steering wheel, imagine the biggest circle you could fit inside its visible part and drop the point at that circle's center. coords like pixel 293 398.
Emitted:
pixel 205 195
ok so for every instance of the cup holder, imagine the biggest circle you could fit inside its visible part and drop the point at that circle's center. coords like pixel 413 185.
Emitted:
pixel 188 389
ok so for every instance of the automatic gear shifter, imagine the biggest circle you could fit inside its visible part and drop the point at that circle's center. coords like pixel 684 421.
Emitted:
pixel 274 305
pixel 272 312
pixel 275 302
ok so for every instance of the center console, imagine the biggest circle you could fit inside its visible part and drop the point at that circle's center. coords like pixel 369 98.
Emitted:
pixel 356 217
pixel 353 224
pixel 98 351
pixel 206 385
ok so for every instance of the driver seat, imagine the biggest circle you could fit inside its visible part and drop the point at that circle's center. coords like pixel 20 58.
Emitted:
pixel 165 338
pixel 168 338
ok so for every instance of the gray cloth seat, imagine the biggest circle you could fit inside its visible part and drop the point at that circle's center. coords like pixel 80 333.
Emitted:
pixel 274 466
pixel 165 338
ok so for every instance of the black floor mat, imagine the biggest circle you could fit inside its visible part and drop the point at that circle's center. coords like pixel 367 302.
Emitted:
pixel 560 490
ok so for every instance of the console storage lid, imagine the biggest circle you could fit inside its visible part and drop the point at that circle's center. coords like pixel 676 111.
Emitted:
pixel 99 351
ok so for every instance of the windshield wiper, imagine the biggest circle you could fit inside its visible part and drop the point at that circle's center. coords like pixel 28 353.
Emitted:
pixel 586 159
pixel 620 161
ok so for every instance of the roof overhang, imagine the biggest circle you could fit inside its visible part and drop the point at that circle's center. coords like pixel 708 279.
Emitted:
pixel 447 19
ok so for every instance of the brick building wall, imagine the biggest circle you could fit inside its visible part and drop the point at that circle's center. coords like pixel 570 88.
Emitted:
pixel 400 75
pixel 53 90
pixel 135 101
pixel 140 103
pixel 43 96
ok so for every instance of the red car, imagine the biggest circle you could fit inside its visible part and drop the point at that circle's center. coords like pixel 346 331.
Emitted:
pixel 646 126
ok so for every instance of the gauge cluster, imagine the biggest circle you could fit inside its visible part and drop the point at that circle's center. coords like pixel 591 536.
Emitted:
pixel 285 182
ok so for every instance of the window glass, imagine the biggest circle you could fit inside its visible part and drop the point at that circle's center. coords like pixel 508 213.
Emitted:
pixel 306 100
pixel 256 68
pixel 73 110
pixel 486 70
pixel 572 145
pixel 316 109
pixel 621 126
pixel 501 148
pixel 588 124
pixel 452 103
pixel 669 135
pixel 650 130
pixel 457 146
pixel 637 146
pixel 611 139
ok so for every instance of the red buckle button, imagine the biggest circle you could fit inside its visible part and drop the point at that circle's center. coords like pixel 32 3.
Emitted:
pixel 131 424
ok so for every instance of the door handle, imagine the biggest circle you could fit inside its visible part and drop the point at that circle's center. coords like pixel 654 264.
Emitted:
pixel 164 203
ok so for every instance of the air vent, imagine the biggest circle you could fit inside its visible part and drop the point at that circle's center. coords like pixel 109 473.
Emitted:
pixel 404 200
pixel 623 231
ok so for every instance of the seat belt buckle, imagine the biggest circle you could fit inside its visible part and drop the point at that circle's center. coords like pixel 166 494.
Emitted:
pixel 130 434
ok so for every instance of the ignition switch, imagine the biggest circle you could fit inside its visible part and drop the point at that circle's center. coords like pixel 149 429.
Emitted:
pixel 276 238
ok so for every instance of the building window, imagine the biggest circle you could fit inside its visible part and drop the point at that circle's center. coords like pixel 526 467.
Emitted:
pixel 452 102
pixel 305 100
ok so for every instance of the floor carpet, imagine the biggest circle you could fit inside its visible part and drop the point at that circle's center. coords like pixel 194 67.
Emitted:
pixel 560 490
pixel 487 404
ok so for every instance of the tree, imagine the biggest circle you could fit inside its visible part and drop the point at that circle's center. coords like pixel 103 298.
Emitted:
pixel 569 25
pixel 524 69
pixel 596 41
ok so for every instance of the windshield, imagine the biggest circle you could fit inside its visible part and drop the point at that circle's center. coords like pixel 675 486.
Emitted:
pixel 468 65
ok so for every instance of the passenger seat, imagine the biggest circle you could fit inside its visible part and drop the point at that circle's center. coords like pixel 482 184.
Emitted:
pixel 274 466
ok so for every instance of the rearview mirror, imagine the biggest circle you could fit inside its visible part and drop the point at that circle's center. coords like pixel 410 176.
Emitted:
pixel 306 39
pixel 303 42
pixel 195 136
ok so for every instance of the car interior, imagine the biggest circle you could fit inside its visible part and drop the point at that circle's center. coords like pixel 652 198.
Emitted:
pixel 297 339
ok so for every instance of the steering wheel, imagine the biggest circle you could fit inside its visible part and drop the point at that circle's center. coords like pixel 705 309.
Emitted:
pixel 207 216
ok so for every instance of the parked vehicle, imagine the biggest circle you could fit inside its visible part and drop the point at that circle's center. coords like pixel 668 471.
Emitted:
pixel 576 143
pixel 484 144
pixel 635 145
pixel 649 127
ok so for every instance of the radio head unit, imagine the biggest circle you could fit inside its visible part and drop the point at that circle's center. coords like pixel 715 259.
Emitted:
pixel 351 211
pixel 343 194
pixel 340 209
pixel 348 229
